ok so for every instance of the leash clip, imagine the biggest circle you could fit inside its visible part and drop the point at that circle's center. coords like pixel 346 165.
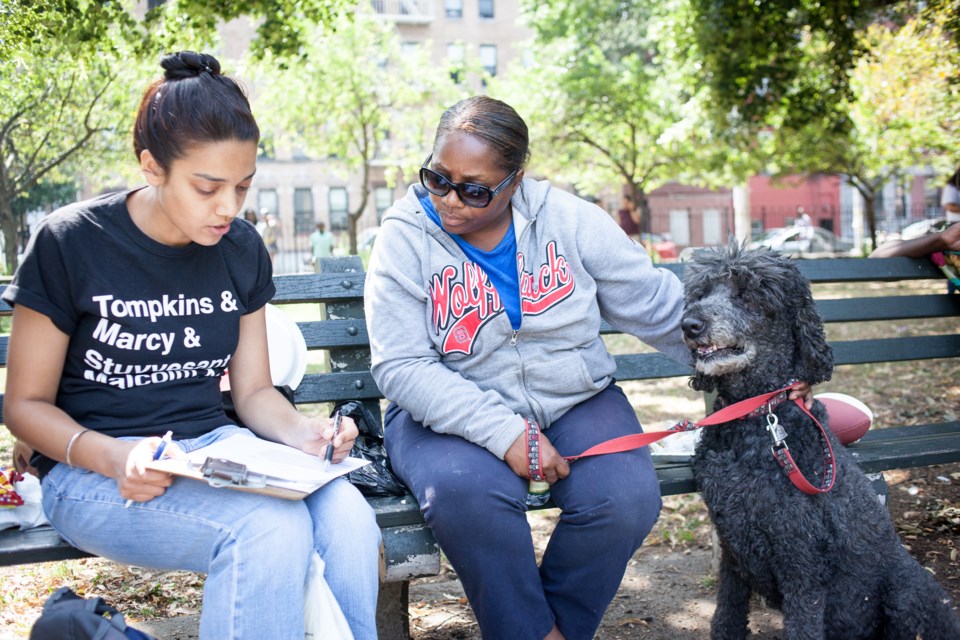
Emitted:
pixel 777 432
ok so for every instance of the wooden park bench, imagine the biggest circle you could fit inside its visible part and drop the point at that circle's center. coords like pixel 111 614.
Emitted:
pixel 409 550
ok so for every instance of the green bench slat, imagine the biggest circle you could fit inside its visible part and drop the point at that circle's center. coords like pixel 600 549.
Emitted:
pixel 868 270
pixel 645 366
pixel 879 450
pixel 317 287
pixel 41 544
pixel 823 270
pixel 337 385
pixel 334 334
pixel 889 308
pixel 396 511
pixel 906 447
pixel 895 349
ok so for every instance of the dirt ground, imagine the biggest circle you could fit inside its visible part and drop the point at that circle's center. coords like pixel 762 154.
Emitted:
pixel 669 590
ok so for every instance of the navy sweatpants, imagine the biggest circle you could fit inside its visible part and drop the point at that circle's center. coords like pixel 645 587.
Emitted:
pixel 475 507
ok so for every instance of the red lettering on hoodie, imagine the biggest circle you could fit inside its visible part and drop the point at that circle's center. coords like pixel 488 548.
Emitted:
pixel 462 307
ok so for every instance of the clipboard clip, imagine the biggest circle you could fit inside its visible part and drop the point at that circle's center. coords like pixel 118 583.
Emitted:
pixel 220 472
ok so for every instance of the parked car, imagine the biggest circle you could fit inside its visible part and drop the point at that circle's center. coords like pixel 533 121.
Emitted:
pixel 804 242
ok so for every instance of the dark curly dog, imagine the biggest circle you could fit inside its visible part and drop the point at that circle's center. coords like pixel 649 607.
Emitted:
pixel 832 562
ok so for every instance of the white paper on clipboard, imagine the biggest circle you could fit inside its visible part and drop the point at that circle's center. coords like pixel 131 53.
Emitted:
pixel 290 473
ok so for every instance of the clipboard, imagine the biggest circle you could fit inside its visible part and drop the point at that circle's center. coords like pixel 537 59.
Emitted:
pixel 248 463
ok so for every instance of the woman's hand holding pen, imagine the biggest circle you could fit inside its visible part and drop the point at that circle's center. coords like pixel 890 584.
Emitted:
pixel 135 481
pixel 317 433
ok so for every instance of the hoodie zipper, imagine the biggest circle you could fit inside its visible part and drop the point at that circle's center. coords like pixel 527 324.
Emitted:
pixel 534 405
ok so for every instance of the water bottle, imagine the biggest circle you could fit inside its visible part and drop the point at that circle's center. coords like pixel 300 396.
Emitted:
pixel 538 493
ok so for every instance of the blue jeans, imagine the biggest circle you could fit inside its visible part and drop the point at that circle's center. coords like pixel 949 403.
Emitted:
pixel 254 549
pixel 474 504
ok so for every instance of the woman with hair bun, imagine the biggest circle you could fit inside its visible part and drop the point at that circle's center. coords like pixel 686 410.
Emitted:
pixel 128 308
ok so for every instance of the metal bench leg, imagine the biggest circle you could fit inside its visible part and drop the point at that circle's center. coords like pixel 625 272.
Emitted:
pixel 393 621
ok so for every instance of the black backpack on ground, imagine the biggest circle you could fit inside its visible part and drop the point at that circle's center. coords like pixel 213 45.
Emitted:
pixel 67 616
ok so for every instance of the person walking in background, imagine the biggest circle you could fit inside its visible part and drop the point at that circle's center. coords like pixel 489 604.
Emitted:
pixel 99 366
pixel 250 215
pixel 321 245
pixel 804 223
pixel 270 232
pixel 629 217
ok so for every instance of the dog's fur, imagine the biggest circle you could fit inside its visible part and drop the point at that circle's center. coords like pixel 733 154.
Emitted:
pixel 831 562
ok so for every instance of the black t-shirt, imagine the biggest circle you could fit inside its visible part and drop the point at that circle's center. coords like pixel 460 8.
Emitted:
pixel 152 327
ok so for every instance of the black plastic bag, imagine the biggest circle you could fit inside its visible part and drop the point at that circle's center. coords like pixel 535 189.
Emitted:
pixel 376 478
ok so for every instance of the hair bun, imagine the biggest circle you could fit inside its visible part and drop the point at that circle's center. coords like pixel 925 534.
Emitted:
pixel 189 64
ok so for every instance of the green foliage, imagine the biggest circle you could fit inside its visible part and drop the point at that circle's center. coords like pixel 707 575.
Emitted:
pixel 601 105
pixel 284 27
pixel 756 57
pixel 356 96
pixel 46 193
pixel 72 72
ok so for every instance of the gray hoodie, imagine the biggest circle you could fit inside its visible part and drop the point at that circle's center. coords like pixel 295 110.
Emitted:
pixel 443 347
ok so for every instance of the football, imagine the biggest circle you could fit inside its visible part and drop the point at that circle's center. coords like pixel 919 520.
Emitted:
pixel 849 418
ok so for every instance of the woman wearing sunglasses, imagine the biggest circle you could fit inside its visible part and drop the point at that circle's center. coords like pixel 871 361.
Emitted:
pixel 484 299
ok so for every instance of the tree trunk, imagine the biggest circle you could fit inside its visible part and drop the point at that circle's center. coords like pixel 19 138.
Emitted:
pixel 11 236
pixel 642 203
pixel 868 209
pixel 354 215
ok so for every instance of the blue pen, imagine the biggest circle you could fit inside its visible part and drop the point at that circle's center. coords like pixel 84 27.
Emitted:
pixel 164 441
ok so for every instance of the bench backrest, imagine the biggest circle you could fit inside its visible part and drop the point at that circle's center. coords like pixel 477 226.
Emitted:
pixel 343 333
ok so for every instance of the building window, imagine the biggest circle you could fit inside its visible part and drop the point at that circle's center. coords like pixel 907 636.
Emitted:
pixel 680 226
pixel 267 202
pixel 488 58
pixel 486 8
pixel 453 8
pixel 455 60
pixel 382 198
pixel 302 211
pixel 339 203
pixel 712 227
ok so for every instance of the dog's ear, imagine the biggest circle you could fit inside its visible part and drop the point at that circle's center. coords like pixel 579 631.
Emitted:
pixel 813 353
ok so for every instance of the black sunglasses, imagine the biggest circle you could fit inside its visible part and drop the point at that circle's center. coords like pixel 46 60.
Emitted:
pixel 477 196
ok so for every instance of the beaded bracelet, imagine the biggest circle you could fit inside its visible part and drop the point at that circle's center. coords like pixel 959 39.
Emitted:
pixel 533 449
pixel 70 444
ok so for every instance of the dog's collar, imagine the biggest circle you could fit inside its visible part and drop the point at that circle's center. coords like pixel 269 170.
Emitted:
pixel 766 407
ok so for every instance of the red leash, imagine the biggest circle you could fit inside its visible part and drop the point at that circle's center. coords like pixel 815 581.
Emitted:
pixel 764 403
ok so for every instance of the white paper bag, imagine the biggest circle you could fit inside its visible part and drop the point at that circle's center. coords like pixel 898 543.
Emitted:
pixel 30 513
pixel 322 617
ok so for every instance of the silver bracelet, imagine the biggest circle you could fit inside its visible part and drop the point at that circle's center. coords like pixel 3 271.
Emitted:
pixel 73 439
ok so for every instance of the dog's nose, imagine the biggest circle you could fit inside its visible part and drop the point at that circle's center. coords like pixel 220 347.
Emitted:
pixel 692 325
